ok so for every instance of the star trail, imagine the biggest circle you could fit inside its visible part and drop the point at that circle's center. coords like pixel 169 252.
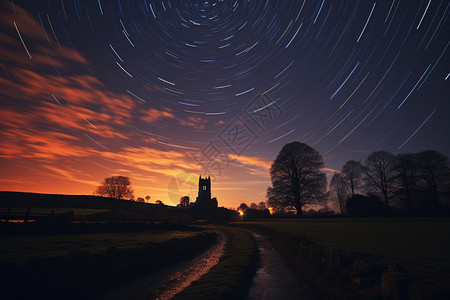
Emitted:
pixel 144 87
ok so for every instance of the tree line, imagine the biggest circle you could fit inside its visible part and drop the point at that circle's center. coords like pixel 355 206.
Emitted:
pixel 406 183
pixel 413 183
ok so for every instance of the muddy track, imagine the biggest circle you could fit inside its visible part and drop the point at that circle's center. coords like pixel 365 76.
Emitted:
pixel 165 283
pixel 275 278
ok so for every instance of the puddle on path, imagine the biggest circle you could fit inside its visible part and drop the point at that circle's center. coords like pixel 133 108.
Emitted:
pixel 169 281
pixel 275 278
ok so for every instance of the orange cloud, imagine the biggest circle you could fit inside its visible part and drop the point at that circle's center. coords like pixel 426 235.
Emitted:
pixel 72 175
pixel 329 170
pixel 46 120
pixel 167 163
pixel 195 122
pixel 153 115
pixel 252 161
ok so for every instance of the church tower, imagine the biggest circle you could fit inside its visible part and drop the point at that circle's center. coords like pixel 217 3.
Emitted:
pixel 204 188
pixel 204 199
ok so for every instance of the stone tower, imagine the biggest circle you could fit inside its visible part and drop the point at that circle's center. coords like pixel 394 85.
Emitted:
pixel 204 188
pixel 204 199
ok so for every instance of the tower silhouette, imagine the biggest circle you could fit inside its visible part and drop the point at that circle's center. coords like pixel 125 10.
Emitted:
pixel 204 199
pixel 204 188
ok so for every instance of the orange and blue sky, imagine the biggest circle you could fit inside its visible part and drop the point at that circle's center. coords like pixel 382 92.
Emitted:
pixel 162 91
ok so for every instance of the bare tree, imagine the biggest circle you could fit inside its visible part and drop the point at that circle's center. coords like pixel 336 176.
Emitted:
pixel 434 171
pixel 116 187
pixel 339 191
pixel 406 167
pixel 353 172
pixel 380 173
pixel 297 178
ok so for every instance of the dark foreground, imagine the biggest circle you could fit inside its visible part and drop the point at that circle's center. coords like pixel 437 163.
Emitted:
pixel 279 259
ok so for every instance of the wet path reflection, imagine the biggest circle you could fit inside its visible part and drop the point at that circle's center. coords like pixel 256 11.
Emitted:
pixel 166 283
pixel 275 279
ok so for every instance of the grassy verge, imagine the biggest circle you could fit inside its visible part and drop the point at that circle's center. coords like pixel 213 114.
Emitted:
pixel 85 274
pixel 230 278
pixel 19 249
pixel 394 257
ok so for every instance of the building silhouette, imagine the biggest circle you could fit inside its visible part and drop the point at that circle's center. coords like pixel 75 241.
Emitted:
pixel 204 200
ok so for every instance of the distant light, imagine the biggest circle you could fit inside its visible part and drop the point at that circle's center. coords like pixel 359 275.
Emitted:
pixel 241 213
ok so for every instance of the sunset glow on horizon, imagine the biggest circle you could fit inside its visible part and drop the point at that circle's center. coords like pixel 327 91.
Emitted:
pixel 164 95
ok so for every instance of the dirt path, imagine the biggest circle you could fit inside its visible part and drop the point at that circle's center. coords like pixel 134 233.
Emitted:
pixel 169 281
pixel 275 278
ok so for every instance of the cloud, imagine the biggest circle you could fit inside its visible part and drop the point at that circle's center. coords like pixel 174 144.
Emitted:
pixel 166 163
pixel 50 121
pixel 44 115
pixel 252 161
pixel 153 115
pixel 329 170
pixel 72 175
pixel 194 122
pixel 29 28
pixel 35 40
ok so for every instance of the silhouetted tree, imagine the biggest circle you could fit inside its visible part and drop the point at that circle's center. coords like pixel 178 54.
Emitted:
pixel 243 207
pixel 353 172
pixel 140 199
pixel 252 212
pixel 297 178
pixel 159 202
pixel 380 173
pixel 147 199
pixel 433 169
pixel 262 205
pixel 406 169
pixel 116 187
pixel 339 190
pixel 184 201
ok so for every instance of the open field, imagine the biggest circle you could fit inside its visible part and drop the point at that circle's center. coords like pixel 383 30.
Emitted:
pixel 94 208
pixel 422 246
pixel 20 249
pixel 35 200
pixel 55 210
pixel 75 267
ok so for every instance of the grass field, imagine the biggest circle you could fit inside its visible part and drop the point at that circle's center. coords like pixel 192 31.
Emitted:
pixel 21 249
pixel 422 246
pixel 57 210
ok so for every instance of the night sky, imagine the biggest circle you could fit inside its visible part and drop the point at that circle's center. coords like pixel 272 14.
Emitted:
pixel 162 91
